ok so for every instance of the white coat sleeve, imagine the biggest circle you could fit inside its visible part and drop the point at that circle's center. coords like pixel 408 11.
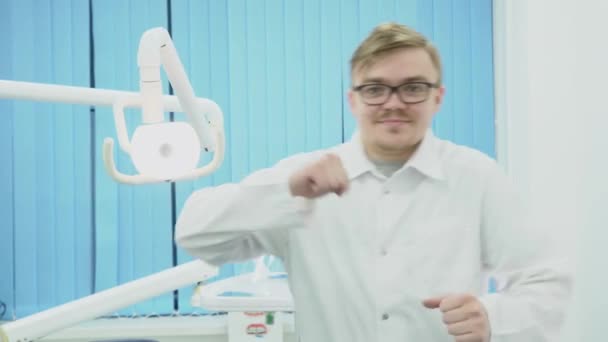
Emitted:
pixel 236 222
pixel 533 271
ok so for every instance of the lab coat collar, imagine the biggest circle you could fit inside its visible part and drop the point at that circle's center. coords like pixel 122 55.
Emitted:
pixel 425 159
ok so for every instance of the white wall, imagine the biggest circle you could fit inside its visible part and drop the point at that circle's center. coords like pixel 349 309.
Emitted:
pixel 551 59
pixel 592 73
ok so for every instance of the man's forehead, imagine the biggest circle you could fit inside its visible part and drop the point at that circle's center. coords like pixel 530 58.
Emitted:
pixel 395 78
pixel 400 66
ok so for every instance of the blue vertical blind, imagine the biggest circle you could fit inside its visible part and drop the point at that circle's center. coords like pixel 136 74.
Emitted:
pixel 277 68
pixel 45 175
pixel 133 235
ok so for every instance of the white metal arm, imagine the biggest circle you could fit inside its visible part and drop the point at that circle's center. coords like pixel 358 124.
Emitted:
pixel 156 49
pixel 205 119
pixel 36 326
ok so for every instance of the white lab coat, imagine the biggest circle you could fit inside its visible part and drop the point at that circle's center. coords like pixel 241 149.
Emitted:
pixel 360 265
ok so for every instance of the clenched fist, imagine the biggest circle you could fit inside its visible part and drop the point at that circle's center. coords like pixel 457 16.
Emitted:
pixel 464 316
pixel 324 176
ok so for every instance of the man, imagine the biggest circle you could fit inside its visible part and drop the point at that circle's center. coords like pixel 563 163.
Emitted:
pixel 388 236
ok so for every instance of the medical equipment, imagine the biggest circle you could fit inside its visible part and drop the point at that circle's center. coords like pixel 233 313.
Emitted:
pixel 257 303
pixel 36 326
pixel 161 151
pixel 241 294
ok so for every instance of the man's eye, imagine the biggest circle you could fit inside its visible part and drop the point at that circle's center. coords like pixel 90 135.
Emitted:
pixel 414 88
pixel 374 90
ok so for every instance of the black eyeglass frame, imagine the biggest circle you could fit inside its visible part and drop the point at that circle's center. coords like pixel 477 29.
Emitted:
pixel 395 89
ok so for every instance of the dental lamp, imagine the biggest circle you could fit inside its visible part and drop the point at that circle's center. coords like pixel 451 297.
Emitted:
pixel 160 151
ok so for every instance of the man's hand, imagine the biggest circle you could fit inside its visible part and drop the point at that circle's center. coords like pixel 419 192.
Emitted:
pixel 324 176
pixel 464 316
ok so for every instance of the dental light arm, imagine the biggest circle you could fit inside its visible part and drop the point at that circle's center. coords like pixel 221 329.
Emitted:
pixel 155 49
pixel 37 326
pixel 175 150
pixel 160 151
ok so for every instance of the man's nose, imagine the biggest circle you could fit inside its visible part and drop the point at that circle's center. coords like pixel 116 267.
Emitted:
pixel 394 101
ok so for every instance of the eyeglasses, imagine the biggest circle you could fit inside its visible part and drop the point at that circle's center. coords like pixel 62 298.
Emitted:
pixel 408 93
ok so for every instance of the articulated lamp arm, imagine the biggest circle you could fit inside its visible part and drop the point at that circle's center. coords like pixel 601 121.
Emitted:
pixel 157 141
pixel 41 324
pixel 156 49
pixel 160 141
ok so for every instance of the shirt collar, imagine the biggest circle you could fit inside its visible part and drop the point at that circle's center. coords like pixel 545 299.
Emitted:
pixel 425 159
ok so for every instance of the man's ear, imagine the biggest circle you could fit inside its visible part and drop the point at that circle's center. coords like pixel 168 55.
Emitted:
pixel 351 101
pixel 439 96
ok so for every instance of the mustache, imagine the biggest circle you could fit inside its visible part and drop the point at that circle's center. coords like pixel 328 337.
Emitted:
pixel 397 114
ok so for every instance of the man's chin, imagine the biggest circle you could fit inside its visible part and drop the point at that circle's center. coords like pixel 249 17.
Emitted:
pixel 397 146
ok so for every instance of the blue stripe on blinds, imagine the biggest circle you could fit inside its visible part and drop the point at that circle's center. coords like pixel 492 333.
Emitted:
pixel 482 77
pixel 51 192
pixel 294 76
pixel 349 19
pixel 133 224
pixel 25 147
pixel 330 76
pixel 7 228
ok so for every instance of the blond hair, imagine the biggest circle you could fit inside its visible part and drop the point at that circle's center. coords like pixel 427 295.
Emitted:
pixel 388 37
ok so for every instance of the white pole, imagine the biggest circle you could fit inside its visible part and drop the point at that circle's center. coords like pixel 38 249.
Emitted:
pixel 38 325
pixel 75 95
